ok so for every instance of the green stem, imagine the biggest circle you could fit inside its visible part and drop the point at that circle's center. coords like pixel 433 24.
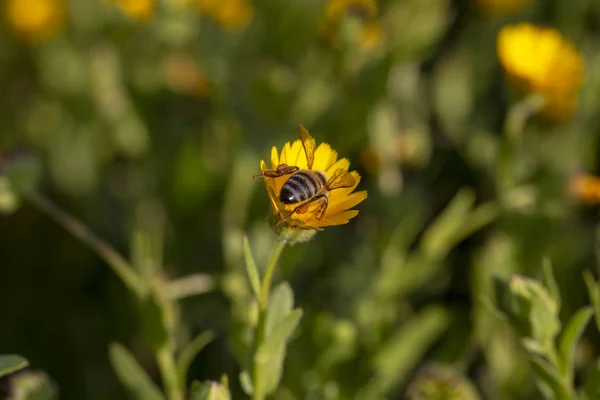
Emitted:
pixel 263 303
pixel 168 371
pixel 79 230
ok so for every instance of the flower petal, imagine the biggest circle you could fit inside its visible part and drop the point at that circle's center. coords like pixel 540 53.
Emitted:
pixel 274 157
pixel 325 156
pixel 346 203
pixel 342 163
pixel 336 219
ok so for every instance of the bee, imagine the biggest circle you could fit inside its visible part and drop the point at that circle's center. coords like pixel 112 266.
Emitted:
pixel 305 187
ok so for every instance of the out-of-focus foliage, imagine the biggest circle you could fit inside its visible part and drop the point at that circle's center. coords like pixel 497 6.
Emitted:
pixel 136 250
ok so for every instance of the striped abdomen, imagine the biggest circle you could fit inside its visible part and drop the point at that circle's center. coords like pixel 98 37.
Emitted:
pixel 301 186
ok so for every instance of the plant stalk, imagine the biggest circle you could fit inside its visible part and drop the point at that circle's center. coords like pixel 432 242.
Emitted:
pixel 79 230
pixel 263 302
pixel 168 371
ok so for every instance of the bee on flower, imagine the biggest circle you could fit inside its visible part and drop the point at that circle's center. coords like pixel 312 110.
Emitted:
pixel 309 187
pixel 36 20
pixel 540 60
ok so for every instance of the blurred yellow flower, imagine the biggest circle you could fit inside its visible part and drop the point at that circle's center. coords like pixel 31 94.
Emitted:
pixel 183 75
pixel 586 188
pixel 231 14
pixel 36 19
pixel 309 187
pixel 501 7
pixel 335 9
pixel 370 36
pixel 540 60
pixel 136 9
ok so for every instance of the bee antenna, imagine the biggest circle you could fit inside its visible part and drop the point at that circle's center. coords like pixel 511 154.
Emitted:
pixel 256 176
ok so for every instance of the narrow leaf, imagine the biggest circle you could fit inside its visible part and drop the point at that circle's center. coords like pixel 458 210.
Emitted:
pixel 280 305
pixel 280 335
pixel 11 363
pixel 570 337
pixel 594 293
pixel 131 374
pixel 251 269
pixel 550 281
pixel 190 352
pixel 405 349
pixel 246 383
pixel 550 382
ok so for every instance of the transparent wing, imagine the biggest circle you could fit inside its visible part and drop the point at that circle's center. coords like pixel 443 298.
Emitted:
pixel 341 179
pixel 308 142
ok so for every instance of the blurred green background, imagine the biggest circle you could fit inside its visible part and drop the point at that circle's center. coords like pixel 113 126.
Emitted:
pixel 145 112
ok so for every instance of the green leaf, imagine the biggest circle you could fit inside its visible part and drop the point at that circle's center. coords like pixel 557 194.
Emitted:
pixel 246 383
pixel 570 337
pixel 591 384
pixel 404 350
pixel 12 363
pixel 550 281
pixel 251 269
pixel 280 305
pixel 132 375
pixel 279 336
pixel 551 384
pixel 190 351
pixel 157 315
pixel 594 293
pixel 209 391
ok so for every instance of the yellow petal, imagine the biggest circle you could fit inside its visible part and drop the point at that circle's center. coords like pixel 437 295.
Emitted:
pixel 325 156
pixel 342 163
pixel 336 219
pixel 346 203
pixel 274 157
pixel 283 158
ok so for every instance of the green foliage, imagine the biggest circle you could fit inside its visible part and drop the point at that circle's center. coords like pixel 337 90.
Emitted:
pixel 11 363
pixel 533 313
pixel 132 375
pixel 142 126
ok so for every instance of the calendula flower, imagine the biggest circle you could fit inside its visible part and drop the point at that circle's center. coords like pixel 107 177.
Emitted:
pixel 309 187
pixel 501 7
pixel 36 19
pixel 336 9
pixel 136 9
pixel 540 60
pixel 231 14
pixel 586 188
pixel 370 36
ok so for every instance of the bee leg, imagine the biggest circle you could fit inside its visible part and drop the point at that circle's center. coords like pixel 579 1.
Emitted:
pixel 301 209
pixel 281 170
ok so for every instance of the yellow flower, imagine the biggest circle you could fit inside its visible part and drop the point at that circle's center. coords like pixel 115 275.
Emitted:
pixel 36 19
pixel 540 60
pixel 231 14
pixel 136 9
pixel 586 188
pixel 336 9
pixel 327 207
pixel 501 7
pixel 370 36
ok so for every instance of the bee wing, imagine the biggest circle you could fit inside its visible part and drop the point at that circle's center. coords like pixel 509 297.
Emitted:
pixel 341 179
pixel 308 142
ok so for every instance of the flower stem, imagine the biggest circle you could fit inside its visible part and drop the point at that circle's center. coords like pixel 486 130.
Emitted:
pixel 263 302
pixel 168 372
pixel 78 229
